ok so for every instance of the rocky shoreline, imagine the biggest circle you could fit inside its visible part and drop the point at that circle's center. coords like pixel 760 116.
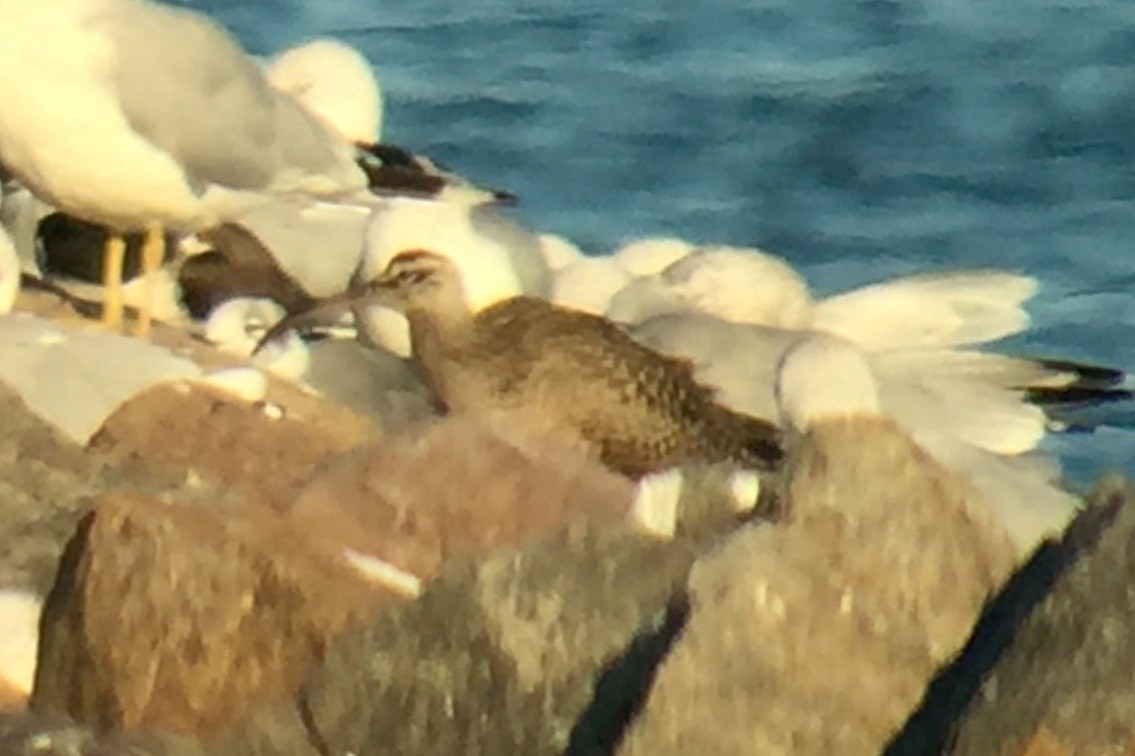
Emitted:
pixel 198 600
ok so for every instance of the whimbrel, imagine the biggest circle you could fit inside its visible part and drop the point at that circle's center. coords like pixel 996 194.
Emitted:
pixel 635 409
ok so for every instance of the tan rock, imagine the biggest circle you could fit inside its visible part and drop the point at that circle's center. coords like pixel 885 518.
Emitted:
pixel 45 482
pixel 175 618
pixel 544 649
pixel 1044 743
pixel 1064 683
pixel 818 636
pixel 453 489
pixel 194 430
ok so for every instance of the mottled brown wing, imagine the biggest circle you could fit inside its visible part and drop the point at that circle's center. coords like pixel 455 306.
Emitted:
pixel 641 409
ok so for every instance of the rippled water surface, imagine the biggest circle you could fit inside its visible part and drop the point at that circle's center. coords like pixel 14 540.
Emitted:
pixel 858 139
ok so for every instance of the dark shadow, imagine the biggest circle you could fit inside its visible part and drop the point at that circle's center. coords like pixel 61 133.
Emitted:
pixel 622 689
pixel 930 730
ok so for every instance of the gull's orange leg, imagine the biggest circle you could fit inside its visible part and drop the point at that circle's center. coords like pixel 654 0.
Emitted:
pixel 153 250
pixel 112 305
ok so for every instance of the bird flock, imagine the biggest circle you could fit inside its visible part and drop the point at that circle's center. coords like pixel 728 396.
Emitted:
pixel 272 179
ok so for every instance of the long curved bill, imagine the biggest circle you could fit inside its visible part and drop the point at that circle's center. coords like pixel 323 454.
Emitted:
pixel 325 312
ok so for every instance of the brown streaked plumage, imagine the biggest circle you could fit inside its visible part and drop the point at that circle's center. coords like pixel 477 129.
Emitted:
pixel 559 369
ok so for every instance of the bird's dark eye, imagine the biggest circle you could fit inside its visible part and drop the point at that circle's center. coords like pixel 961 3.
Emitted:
pixel 412 276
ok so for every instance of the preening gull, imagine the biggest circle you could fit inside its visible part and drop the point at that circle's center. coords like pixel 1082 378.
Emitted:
pixel 733 313
pixel 590 283
pixel 333 81
pixel 825 385
pixel 735 284
pixel 141 116
pixel 645 257
pixel 751 286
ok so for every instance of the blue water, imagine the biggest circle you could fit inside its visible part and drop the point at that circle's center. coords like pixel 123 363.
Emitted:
pixel 860 140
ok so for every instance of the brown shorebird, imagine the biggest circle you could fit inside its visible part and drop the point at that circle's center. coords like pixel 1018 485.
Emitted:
pixel 556 369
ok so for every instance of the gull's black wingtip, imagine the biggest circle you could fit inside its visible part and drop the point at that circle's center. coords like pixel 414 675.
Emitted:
pixel 399 171
pixel 1091 385
pixel 505 198
pixel 1088 376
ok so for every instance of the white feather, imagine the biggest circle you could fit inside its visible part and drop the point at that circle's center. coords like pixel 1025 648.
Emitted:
pixel 972 395
pixel 384 573
pixel 243 383
pixel 740 285
pixel 987 368
pixel 646 257
pixel 589 284
pixel 334 82
pixel 1023 490
pixel 986 416
pixel 936 310
pixel 824 378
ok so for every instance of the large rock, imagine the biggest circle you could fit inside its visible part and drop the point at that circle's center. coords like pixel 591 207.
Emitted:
pixel 1066 684
pixel 35 735
pixel 818 636
pixel 529 651
pixel 191 430
pixel 46 483
pixel 31 734
pixel 172 617
pixel 74 378
pixel 450 490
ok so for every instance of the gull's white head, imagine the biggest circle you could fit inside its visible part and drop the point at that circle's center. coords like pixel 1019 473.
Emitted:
pixel 487 268
pixel 333 81
pixel 236 326
pixel 824 378
pixel 740 285
pixel 646 257
pixel 9 273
